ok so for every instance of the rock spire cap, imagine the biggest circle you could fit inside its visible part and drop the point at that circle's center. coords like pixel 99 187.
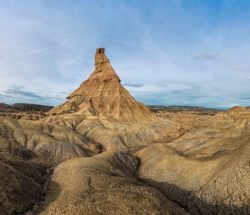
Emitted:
pixel 100 50
pixel 100 57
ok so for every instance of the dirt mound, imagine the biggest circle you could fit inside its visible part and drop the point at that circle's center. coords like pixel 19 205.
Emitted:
pixel 104 184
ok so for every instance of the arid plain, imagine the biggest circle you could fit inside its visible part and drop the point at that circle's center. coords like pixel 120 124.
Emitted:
pixel 103 152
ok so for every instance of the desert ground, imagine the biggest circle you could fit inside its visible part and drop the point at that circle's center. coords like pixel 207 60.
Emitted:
pixel 103 152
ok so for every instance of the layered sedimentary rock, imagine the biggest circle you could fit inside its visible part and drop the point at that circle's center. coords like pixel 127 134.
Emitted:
pixel 103 95
pixel 103 110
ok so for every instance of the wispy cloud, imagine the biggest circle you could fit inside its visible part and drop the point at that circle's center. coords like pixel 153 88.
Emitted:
pixel 206 55
pixel 19 94
pixel 136 85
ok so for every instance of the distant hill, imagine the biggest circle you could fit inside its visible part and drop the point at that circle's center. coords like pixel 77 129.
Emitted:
pixel 24 107
pixel 180 108
pixel 4 106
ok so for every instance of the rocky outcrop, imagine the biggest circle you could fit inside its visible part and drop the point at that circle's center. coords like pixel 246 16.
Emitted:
pixel 103 95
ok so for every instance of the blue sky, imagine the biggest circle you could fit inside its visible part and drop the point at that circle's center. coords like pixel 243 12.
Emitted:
pixel 169 52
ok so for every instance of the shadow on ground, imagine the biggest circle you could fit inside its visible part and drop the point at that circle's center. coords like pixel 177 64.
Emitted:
pixel 52 192
pixel 194 205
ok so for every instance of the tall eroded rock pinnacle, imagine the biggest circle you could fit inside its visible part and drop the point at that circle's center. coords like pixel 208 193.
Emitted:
pixel 102 95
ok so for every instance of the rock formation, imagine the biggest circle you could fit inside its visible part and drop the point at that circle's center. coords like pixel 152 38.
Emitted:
pixel 103 110
pixel 103 95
